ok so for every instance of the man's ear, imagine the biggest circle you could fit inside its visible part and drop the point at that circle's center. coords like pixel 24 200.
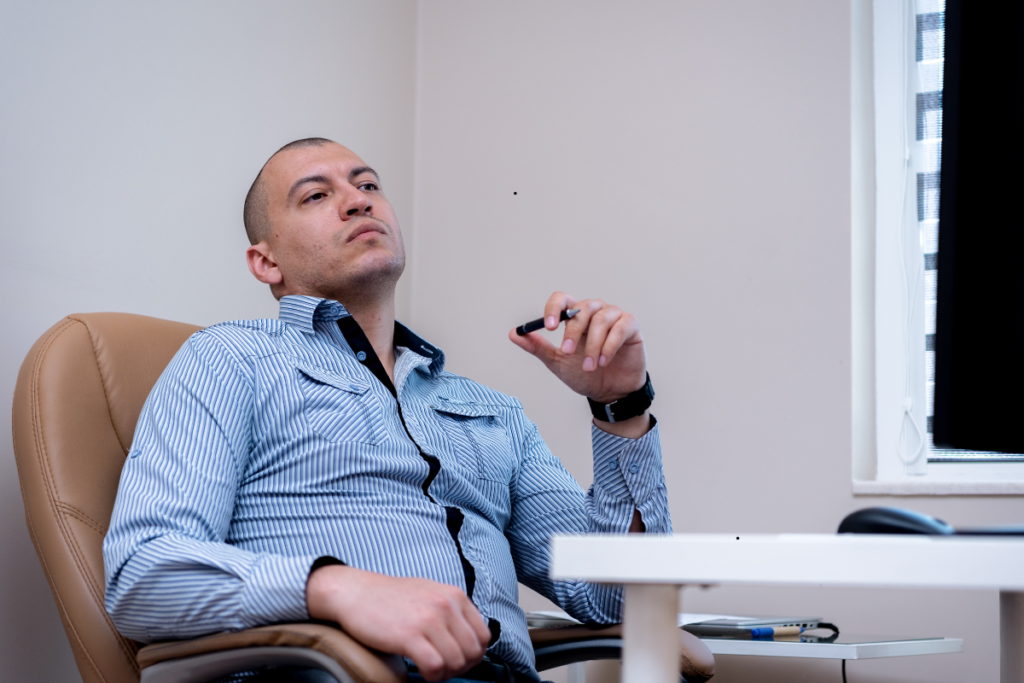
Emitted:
pixel 262 264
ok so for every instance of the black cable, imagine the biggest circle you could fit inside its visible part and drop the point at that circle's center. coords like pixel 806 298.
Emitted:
pixel 844 671
pixel 825 639
pixel 831 627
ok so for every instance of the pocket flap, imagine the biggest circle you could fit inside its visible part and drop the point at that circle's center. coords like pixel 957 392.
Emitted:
pixel 318 374
pixel 452 406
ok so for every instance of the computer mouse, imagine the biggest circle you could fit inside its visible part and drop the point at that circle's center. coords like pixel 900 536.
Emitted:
pixel 884 520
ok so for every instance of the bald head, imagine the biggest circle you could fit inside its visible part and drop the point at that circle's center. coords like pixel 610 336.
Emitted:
pixel 255 214
pixel 320 225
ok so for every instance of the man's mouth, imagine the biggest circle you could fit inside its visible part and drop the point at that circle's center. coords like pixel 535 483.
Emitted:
pixel 367 226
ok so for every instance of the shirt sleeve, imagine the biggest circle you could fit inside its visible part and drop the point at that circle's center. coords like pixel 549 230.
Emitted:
pixel 169 571
pixel 628 476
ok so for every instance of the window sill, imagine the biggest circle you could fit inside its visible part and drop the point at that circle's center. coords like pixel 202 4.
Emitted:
pixel 938 488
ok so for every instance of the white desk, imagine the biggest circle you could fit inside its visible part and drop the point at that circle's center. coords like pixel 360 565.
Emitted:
pixel 654 567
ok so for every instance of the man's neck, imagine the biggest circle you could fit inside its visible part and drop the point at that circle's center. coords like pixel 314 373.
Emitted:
pixel 378 324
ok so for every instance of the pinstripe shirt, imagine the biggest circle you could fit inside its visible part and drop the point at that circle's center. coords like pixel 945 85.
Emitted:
pixel 267 445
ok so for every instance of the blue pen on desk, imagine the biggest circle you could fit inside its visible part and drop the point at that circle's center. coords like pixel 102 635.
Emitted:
pixel 534 325
pixel 772 631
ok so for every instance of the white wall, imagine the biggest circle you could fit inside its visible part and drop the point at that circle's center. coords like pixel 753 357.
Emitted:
pixel 690 161
pixel 129 134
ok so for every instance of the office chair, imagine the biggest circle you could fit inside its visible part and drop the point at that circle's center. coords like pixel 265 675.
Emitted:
pixel 78 396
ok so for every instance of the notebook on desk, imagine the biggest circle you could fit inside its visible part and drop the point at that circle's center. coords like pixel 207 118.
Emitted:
pixel 807 623
pixel 558 618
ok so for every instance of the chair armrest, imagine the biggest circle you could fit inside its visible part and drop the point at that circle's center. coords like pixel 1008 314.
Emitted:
pixel 313 645
pixel 561 645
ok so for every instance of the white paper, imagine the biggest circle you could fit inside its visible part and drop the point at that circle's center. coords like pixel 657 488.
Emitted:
pixel 688 618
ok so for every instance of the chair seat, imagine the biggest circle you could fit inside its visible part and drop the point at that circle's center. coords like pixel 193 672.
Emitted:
pixel 358 662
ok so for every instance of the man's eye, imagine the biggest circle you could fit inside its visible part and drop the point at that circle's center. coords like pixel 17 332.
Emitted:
pixel 369 187
pixel 314 197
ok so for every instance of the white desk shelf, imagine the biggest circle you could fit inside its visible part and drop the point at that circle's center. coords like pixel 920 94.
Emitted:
pixel 867 649
pixel 652 568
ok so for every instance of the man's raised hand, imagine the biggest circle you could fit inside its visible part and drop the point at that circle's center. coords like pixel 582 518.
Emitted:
pixel 433 624
pixel 602 351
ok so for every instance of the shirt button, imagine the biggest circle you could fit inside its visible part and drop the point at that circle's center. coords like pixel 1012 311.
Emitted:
pixel 361 356
pixel 615 462
pixel 633 468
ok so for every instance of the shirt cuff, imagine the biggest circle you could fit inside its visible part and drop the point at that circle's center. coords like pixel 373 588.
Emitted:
pixel 626 468
pixel 275 590
pixel 325 561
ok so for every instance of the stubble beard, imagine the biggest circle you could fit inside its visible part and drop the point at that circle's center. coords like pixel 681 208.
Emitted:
pixel 370 284
pixel 375 283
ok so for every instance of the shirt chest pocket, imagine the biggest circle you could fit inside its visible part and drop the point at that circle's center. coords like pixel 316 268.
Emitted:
pixel 338 408
pixel 475 436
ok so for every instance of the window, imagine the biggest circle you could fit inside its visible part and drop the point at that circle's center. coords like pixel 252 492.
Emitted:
pixel 907 53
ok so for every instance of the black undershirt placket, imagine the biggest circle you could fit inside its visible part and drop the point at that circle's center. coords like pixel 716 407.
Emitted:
pixel 454 518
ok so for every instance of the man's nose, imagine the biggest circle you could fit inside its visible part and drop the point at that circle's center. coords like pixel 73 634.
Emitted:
pixel 356 203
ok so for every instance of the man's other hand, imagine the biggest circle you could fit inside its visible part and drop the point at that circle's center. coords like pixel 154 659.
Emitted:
pixel 433 624
pixel 602 351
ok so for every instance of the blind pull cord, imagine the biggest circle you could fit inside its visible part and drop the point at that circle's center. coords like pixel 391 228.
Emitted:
pixel 910 427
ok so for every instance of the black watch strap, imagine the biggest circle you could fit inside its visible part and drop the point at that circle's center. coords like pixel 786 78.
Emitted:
pixel 626 407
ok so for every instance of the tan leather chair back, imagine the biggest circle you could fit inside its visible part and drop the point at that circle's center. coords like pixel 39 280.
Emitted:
pixel 78 397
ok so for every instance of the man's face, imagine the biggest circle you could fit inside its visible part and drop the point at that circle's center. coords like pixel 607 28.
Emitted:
pixel 332 231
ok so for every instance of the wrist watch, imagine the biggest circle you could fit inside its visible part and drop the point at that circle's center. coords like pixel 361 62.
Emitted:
pixel 626 407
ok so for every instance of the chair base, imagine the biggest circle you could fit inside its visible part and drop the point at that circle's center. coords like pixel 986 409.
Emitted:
pixel 561 654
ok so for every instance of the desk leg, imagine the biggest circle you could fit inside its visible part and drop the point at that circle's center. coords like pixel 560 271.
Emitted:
pixel 1011 637
pixel 650 642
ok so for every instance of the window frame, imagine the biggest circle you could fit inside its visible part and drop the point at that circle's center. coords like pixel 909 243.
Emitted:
pixel 889 335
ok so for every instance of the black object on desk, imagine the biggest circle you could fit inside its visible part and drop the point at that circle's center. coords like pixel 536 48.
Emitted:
pixel 886 520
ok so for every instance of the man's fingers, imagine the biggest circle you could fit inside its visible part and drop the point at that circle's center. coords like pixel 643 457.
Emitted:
pixel 623 331
pixel 469 642
pixel 452 658
pixel 601 351
pixel 476 622
pixel 435 625
pixel 600 324
pixel 427 659
pixel 577 327
pixel 557 302
pixel 455 633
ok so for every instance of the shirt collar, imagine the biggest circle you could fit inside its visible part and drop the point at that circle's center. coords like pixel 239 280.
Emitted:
pixel 302 311
pixel 410 340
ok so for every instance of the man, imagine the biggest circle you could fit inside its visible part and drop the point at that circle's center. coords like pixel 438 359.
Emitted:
pixel 324 465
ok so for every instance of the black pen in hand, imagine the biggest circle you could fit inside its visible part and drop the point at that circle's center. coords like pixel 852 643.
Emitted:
pixel 534 325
